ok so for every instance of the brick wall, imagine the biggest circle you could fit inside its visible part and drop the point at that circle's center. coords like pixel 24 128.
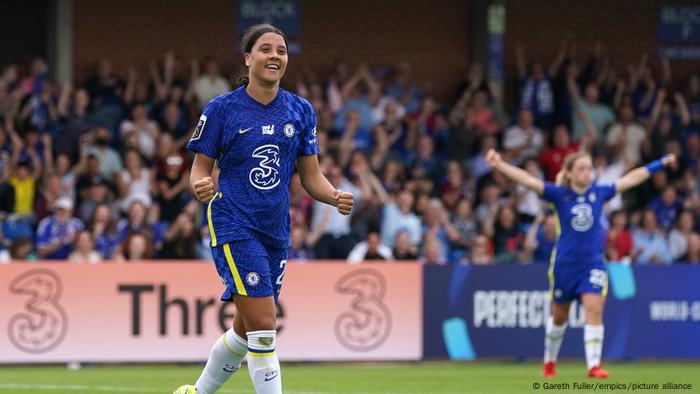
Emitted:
pixel 431 35
pixel 626 29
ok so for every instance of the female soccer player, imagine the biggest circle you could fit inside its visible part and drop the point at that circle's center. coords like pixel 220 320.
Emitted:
pixel 255 134
pixel 578 270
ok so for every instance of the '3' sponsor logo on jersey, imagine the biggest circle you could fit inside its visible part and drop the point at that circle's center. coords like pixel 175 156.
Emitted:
pixel 266 176
pixel 583 217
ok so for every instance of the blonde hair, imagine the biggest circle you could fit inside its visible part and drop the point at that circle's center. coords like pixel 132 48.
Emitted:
pixel 568 165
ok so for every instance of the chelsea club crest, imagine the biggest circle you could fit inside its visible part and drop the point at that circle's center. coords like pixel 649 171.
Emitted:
pixel 289 130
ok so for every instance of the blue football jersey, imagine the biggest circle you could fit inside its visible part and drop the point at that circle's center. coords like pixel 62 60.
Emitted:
pixel 256 147
pixel 581 226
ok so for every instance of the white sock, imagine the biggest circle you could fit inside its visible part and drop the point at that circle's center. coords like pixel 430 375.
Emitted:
pixel 263 365
pixel 553 338
pixel 225 359
pixel 593 342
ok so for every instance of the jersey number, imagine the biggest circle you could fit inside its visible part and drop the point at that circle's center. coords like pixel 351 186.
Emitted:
pixel 280 278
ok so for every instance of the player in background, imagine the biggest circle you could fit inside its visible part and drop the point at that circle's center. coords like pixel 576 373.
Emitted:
pixel 255 134
pixel 577 271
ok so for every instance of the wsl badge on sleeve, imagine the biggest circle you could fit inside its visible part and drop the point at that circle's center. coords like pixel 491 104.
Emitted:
pixel 200 126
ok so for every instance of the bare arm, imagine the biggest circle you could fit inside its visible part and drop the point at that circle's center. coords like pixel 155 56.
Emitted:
pixel 517 175
pixel 640 174
pixel 656 111
pixel 318 186
pixel 201 177
pixel 682 108
pixel 558 60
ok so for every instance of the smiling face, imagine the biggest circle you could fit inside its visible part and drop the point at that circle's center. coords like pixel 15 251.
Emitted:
pixel 267 60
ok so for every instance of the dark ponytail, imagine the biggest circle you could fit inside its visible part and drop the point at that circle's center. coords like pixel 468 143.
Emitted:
pixel 250 37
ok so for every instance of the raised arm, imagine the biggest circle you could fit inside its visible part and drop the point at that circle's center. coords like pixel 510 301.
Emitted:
pixel 318 186
pixel 641 174
pixel 517 175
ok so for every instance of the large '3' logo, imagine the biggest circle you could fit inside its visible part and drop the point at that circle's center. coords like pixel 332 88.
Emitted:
pixel 43 323
pixel 266 175
pixel 583 217
pixel 368 322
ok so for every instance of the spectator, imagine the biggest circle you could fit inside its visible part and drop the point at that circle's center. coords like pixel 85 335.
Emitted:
pixel 437 226
pixel 403 248
pixel 666 207
pixel 552 158
pixel 650 245
pixel 138 221
pixel 97 193
pixel 110 162
pixel 507 237
pixel 523 139
pixel 76 122
pixel 433 253
pixel 23 180
pixel 625 137
pixel 455 187
pixel 481 252
pixel 619 244
pixel 467 227
pixel 398 216
pixel 173 189
pixel 181 239
pixel 136 181
pixel 331 236
pixel 21 249
pixel 679 235
pixel 102 227
pixel 84 251
pixel 211 83
pixel 536 91
pixel 599 114
pixel 146 130
pixel 370 249
pixel 57 233
pixel 299 250
pixel 540 239
pixel 692 256
pixel 528 202
pixel 137 247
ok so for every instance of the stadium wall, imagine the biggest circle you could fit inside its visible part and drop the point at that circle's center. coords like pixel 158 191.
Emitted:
pixel 625 28
pixel 431 36
pixel 330 311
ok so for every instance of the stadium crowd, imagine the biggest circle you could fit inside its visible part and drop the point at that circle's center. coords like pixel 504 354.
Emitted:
pixel 98 171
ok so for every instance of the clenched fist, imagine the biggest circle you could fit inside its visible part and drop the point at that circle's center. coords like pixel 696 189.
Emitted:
pixel 343 201
pixel 493 158
pixel 204 189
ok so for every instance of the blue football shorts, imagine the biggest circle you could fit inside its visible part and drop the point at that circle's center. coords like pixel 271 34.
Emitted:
pixel 250 268
pixel 567 281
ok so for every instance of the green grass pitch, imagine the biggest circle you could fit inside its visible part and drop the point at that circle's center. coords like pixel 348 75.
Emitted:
pixel 354 378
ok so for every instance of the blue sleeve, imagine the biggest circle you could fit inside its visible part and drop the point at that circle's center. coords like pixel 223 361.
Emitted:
pixel 206 136
pixel 308 144
pixel 43 233
pixel 552 192
pixel 607 191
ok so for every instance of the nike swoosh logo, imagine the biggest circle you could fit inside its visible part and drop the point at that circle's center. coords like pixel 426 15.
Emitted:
pixel 268 378
pixel 241 131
